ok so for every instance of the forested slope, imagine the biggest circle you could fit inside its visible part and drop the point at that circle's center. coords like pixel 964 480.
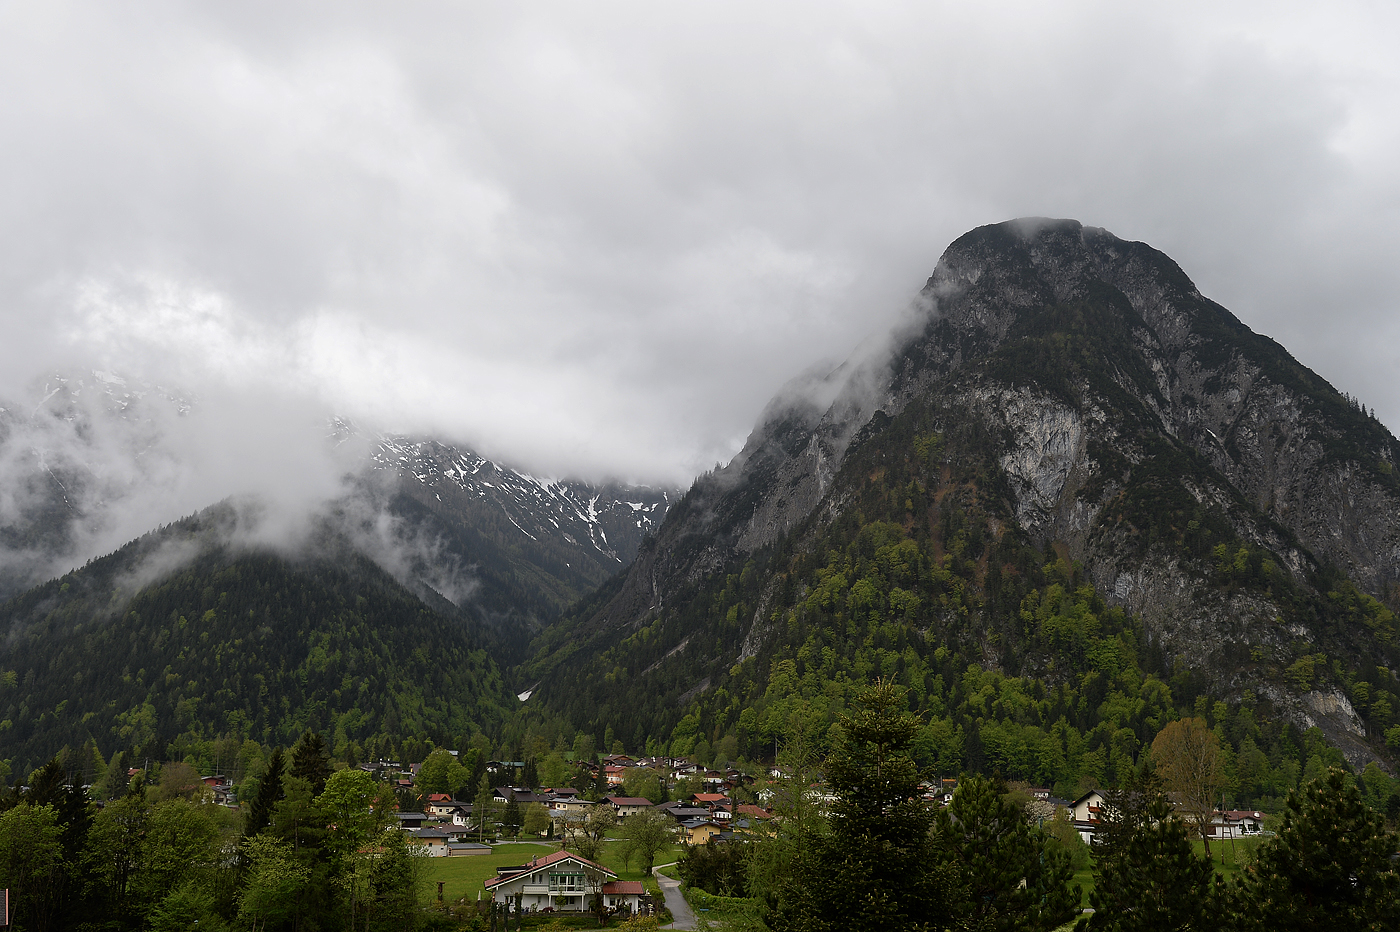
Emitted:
pixel 1030 532
pixel 244 642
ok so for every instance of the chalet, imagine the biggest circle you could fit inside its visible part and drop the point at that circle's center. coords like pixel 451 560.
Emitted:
pixel 522 795
pixel 1086 813
pixel 561 804
pixel 1235 823
pixel 750 811
pixel 563 881
pixel 683 813
pixel 625 806
pixel 440 805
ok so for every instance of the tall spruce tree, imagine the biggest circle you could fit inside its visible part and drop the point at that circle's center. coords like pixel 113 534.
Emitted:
pixel 268 796
pixel 877 868
pixel 1008 874
pixel 1331 865
pixel 311 763
pixel 1147 875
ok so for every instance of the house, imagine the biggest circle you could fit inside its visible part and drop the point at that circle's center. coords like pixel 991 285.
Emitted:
pixel 460 849
pixel 563 881
pixel 409 820
pixel 750 811
pixel 570 804
pixel 436 838
pixel 1086 813
pixel 522 795
pixel 699 831
pixel 440 805
pixel 1235 823
pixel 625 806
pixel 683 813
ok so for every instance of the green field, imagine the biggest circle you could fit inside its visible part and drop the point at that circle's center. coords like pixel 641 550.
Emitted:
pixel 465 876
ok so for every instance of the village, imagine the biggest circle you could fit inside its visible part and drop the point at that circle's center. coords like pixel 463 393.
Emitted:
pixel 731 806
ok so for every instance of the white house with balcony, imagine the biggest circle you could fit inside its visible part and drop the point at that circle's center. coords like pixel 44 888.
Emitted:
pixel 564 882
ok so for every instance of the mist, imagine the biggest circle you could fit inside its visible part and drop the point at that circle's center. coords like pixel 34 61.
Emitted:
pixel 596 242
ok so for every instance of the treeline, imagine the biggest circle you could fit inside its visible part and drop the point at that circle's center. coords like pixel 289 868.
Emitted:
pixel 886 859
pixel 235 643
pixel 1018 663
pixel 314 850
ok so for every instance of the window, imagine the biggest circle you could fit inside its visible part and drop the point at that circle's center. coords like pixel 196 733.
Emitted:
pixel 566 883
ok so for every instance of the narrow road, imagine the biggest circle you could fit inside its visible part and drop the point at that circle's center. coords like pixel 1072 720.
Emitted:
pixel 682 917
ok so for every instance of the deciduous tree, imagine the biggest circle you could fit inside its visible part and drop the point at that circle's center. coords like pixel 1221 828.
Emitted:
pixel 1187 757
pixel 644 835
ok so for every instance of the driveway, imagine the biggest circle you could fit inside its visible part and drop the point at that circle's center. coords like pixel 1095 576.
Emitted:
pixel 681 915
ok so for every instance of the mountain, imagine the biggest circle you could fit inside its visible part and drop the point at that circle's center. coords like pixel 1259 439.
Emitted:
pixel 87 452
pixel 66 452
pixel 522 548
pixel 1077 499
pixel 423 580
pixel 182 636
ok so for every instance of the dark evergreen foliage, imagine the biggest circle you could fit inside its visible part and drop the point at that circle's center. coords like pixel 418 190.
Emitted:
pixel 246 643
pixel 1331 864
pixel 1147 876
pixel 269 793
pixel 1008 875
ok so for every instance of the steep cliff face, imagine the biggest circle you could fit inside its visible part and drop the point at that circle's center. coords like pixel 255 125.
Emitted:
pixel 1206 482
pixel 1280 435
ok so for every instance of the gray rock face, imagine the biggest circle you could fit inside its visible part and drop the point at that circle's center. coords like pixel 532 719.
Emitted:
pixel 1156 373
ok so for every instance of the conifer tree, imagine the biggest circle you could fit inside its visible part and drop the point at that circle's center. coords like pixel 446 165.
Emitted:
pixel 877 868
pixel 1147 875
pixel 1330 866
pixel 268 795
pixel 1008 875
pixel 310 761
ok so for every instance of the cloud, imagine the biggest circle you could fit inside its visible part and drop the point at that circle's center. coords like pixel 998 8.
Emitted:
pixel 598 240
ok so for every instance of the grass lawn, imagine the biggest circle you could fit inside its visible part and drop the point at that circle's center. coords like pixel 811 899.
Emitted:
pixel 465 876
pixel 1229 856
pixel 612 860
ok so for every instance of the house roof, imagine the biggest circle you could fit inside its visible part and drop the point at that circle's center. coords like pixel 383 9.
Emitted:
pixel 624 888
pixel 710 797
pixel 683 813
pixel 627 801
pixel 549 860
pixel 757 812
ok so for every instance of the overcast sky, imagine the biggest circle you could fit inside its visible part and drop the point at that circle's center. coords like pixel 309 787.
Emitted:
pixel 596 237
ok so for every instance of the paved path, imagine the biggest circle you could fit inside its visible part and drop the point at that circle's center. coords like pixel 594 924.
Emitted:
pixel 682 917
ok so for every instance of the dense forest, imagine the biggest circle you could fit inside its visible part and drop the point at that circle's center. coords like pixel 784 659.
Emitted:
pixel 239 645
pixel 1019 665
